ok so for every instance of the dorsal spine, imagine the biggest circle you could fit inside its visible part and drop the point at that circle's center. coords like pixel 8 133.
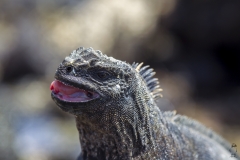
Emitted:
pixel 147 75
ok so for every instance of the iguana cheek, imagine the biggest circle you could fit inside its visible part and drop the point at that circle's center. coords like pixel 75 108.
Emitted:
pixel 71 94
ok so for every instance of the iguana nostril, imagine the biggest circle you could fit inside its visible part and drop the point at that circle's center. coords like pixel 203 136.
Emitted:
pixel 69 68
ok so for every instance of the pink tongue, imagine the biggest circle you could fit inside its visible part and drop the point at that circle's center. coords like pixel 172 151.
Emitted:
pixel 71 94
pixel 57 86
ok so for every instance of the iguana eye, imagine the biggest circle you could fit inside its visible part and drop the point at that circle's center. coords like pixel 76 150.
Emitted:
pixel 102 75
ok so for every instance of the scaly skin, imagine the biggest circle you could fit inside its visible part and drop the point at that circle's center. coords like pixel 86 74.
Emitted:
pixel 123 122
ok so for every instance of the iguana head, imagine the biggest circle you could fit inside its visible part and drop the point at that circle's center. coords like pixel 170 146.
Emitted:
pixel 89 81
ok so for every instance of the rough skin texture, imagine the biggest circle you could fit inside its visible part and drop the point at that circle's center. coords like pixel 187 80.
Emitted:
pixel 124 122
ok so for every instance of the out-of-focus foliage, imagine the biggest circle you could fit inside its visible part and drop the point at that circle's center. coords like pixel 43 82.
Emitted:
pixel 193 46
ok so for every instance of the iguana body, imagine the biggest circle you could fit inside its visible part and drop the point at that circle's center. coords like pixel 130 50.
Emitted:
pixel 117 117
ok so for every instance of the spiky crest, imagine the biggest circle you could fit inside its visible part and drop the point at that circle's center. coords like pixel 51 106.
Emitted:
pixel 147 74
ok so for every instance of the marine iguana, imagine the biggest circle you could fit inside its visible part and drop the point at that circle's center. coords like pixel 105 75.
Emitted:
pixel 117 117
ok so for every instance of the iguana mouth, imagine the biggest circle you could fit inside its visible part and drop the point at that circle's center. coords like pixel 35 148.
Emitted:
pixel 71 94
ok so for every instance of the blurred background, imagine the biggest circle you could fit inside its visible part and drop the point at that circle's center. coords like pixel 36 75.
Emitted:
pixel 194 46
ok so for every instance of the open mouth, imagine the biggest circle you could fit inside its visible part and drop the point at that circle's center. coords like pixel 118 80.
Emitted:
pixel 71 94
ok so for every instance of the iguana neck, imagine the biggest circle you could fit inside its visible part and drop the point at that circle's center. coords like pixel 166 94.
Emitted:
pixel 141 137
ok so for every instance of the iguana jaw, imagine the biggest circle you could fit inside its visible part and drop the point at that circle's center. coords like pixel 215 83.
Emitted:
pixel 68 93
